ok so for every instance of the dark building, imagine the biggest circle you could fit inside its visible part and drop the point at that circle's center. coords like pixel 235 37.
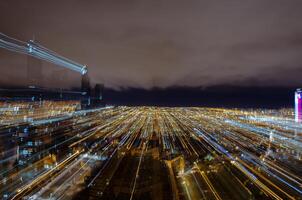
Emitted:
pixel 91 97
pixel 86 91
pixel 85 84
pixel 98 91
pixel 97 95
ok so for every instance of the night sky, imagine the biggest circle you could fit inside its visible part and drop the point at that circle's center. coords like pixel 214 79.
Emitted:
pixel 193 52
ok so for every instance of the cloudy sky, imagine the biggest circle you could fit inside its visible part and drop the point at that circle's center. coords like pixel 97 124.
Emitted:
pixel 162 43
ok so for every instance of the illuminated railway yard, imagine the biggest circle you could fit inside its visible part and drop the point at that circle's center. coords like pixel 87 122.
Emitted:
pixel 152 153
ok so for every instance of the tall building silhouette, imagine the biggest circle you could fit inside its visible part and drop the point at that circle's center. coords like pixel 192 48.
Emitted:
pixel 98 96
pixel 98 91
pixel 86 91
pixel 85 84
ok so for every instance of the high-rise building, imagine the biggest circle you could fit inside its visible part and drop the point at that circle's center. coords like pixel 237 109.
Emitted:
pixel 34 71
pixel 298 105
pixel 98 91
pixel 86 91
pixel 85 84
pixel 97 96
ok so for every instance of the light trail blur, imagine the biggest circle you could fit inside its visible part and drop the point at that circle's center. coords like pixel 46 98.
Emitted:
pixel 38 51
pixel 149 153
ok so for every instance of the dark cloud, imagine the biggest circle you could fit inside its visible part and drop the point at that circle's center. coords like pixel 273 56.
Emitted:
pixel 212 96
pixel 140 43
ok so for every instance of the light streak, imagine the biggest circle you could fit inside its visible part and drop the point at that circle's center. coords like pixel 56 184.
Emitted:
pixel 36 50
